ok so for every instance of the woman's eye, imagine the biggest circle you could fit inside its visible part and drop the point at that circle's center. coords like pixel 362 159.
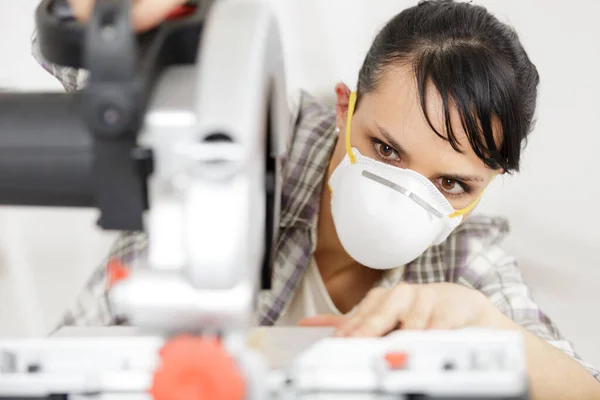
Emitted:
pixel 451 186
pixel 386 152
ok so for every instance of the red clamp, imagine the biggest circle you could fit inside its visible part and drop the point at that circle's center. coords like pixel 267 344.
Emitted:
pixel 197 368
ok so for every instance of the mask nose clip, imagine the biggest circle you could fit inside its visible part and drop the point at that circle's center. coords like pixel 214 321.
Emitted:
pixel 401 189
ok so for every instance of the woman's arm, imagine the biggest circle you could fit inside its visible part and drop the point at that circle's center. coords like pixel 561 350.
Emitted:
pixel 92 307
pixel 555 370
pixel 146 14
pixel 553 374
pixel 501 301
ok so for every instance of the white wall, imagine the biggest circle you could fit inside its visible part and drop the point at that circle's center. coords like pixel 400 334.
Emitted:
pixel 552 204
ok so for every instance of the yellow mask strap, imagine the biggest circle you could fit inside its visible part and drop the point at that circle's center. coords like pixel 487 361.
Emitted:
pixel 470 207
pixel 351 106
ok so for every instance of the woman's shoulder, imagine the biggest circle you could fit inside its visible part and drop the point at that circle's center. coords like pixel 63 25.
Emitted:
pixel 304 104
pixel 309 115
pixel 312 126
pixel 474 250
pixel 479 235
pixel 483 229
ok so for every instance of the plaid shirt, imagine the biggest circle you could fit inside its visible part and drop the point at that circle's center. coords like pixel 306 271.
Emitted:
pixel 471 256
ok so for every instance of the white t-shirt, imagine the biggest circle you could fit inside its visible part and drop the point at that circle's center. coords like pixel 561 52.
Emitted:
pixel 311 298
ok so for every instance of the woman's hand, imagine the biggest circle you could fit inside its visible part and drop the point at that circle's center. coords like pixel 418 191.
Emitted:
pixel 146 13
pixel 411 306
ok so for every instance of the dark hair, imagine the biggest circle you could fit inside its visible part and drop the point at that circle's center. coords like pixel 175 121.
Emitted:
pixel 475 62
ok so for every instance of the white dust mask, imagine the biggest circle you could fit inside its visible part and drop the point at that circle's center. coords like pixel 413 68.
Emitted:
pixel 387 216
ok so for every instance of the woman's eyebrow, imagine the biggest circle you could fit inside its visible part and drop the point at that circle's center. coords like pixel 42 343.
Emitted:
pixel 392 142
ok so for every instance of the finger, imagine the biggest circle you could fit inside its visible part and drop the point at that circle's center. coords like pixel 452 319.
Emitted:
pixel 82 9
pixel 443 319
pixel 393 310
pixel 323 320
pixel 440 323
pixel 370 303
pixel 422 309
pixel 149 13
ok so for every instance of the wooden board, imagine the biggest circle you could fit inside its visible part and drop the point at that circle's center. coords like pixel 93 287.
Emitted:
pixel 281 345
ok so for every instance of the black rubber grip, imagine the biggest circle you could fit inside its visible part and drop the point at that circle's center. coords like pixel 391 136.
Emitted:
pixel 60 36
pixel 45 151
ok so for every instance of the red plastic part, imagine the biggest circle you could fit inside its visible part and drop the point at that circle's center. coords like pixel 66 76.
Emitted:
pixel 396 360
pixel 197 368
pixel 116 271
pixel 181 12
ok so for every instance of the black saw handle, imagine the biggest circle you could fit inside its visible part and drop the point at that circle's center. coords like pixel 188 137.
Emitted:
pixel 85 143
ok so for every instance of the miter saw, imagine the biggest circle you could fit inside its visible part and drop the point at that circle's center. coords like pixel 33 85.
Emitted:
pixel 181 132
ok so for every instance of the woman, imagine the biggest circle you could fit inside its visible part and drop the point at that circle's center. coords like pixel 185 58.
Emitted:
pixel 375 229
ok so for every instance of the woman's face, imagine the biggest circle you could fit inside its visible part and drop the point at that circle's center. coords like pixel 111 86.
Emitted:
pixel 389 126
